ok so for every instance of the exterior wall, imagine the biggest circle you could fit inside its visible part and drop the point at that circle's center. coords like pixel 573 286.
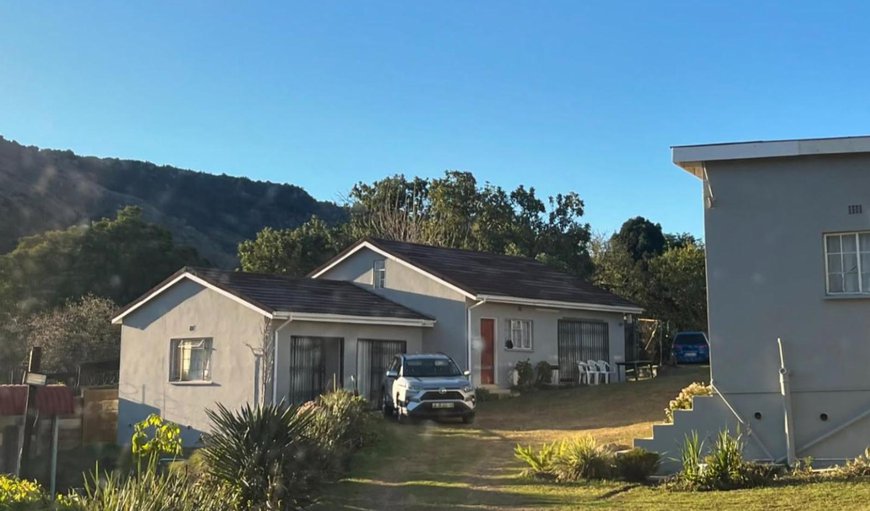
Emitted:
pixel 766 280
pixel 418 292
pixel 186 310
pixel 351 333
pixel 544 335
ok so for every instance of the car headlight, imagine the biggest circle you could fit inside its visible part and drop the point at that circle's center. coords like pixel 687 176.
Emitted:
pixel 467 388
pixel 413 389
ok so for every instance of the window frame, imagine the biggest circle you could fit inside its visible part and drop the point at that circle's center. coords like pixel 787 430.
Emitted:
pixel 518 346
pixel 862 290
pixel 379 275
pixel 175 359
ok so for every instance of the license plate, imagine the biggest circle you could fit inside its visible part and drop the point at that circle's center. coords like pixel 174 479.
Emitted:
pixel 442 405
pixel 690 354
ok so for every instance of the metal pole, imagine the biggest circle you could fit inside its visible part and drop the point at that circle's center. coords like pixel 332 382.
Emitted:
pixel 785 390
pixel 30 412
pixel 55 426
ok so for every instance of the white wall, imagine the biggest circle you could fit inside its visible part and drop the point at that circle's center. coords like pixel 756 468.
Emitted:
pixel 417 292
pixel 187 310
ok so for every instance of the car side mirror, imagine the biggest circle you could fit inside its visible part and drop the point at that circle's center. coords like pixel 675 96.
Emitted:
pixel 392 374
pixel 466 373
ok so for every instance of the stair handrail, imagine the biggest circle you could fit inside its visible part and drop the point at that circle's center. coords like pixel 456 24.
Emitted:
pixel 749 432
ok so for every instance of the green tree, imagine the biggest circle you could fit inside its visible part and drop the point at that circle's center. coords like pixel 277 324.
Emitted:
pixel 292 251
pixel 118 259
pixel 680 286
pixel 641 238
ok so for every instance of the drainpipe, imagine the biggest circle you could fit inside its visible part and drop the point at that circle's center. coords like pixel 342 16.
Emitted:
pixel 785 390
pixel 275 361
pixel 468 340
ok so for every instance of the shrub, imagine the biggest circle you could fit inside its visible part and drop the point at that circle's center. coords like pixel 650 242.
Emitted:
pixel 683 401
pixel 858 467
pixel 264 455
pixel 340 424
pixel 153 437
pixel 724 468
pixel 540 463
pixel 525 374
pixel 149 490
pixel 18 491
pixel 568 460
pixel 582 458
pixel 543 372
pixel 637 465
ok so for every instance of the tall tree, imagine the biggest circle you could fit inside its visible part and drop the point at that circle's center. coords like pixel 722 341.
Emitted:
pixel 292 251
pixel 118 259
pixel 641 238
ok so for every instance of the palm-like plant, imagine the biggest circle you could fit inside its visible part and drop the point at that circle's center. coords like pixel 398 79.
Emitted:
pixel 265 454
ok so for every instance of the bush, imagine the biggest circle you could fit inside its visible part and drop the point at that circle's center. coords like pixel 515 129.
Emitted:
pixel 858 467
pixel 18 491
pixel 265 455
pixel 540 463
pixel 340 425
pixel 568 460
pixel 525 374
pixel 544 373
pixel 683 401
pixel 637 465
pixel 724 468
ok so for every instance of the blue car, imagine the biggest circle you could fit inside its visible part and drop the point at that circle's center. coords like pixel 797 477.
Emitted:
pixel 691 348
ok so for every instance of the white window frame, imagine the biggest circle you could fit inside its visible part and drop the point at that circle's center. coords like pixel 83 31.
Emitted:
pixel 379 273
pixel 176 351
pixel 861 271
pixel 521 344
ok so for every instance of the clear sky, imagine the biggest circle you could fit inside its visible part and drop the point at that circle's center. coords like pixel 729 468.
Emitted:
pixel 577 95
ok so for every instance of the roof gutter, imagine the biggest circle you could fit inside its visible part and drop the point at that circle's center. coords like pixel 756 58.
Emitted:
pixel 360 320
pixel 514 300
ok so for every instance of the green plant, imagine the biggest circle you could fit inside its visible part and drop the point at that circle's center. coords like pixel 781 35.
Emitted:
pixel 153 437
pixel 18 491
pixel 683 401
pixel 539 463
pixel 265 455
pixel 724 464
pixel 582 458
pixel 340 424
pixel 149 490
pixel 543 372
pixel 525 374
pixel 637 465
pixel 858 467
pixel 690 456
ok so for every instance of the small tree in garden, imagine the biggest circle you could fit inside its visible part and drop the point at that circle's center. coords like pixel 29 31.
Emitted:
pixel 154 437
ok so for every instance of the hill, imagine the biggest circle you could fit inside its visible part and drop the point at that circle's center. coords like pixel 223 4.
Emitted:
pixel 42 189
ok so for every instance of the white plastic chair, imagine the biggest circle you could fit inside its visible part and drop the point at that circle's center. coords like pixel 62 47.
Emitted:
pixel 582 373
pixel 605 369
pixel 592 370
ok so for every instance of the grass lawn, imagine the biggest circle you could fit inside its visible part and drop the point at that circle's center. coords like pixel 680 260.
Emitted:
pixel 434 466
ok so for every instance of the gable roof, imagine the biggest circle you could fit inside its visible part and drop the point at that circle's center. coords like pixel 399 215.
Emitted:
pixel 292 297
pixel 493 277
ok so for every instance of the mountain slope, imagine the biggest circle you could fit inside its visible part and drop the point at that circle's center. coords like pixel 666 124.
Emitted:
pixel 48 189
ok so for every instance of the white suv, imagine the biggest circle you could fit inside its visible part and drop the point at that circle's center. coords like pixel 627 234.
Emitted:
pixel 427 385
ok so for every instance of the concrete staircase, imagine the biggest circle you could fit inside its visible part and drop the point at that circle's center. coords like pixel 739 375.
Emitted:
pixel 708 416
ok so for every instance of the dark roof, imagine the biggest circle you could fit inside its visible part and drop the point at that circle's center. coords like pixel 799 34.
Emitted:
pixel 280 293
pixel 483 273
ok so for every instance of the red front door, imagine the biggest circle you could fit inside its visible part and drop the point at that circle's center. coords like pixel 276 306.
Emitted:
pixel 487 356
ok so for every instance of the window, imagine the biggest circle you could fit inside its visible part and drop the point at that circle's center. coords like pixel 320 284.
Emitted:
pixel 379 274
pixel 847 262
pixel 520 333
pixel 190 360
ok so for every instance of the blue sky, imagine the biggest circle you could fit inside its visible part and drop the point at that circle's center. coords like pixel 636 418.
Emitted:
pixel 578 95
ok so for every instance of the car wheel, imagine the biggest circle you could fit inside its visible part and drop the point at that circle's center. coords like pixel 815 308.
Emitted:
pixel 386 407
pixel 468 419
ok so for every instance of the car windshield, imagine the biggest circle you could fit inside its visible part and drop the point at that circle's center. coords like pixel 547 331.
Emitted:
pixel 690 340
pixel 431 367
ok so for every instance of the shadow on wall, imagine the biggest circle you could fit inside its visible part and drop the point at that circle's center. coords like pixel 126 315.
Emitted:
pixel 129 413
pixel 156 309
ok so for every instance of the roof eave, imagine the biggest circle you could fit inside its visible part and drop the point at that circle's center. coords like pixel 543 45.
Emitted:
pixel 360 320
pixel 556 304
